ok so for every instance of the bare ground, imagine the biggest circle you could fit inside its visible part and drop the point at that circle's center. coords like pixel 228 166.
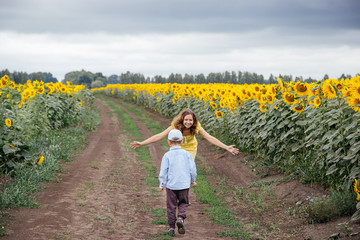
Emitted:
pixel 102 194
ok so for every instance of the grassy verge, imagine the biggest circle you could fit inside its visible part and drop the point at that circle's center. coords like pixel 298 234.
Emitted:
pixel 27 178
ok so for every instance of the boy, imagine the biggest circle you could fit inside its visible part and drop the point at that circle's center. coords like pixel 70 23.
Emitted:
pixel 177 171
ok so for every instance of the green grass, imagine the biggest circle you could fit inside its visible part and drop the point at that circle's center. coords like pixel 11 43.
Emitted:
pixel 151 177
pixel 219 214
pixel 160 217
pixel 269 182
pixel 58 146
pixel 160 236
pixel 3 223
pixel 236 234
pixel 128 123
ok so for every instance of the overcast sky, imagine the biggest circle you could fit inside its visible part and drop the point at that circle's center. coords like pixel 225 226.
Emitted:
pixel 306 38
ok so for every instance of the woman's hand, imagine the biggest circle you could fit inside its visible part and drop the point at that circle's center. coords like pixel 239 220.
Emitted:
pixel 232 149
pixel 194 184
pixel 135 144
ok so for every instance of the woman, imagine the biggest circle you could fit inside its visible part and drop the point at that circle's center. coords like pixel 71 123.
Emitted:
pixel 188 124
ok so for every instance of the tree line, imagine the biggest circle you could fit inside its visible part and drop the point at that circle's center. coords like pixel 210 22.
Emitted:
pixel 96 80
pixel 23 77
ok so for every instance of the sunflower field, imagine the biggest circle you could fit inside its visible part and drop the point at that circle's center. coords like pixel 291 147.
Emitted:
pixel 308 130
pixel 30 111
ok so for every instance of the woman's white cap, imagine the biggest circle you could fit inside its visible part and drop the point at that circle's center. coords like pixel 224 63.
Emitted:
pixel 175 135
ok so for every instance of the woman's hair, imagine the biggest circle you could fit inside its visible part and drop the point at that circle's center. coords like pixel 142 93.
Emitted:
pixel 178 121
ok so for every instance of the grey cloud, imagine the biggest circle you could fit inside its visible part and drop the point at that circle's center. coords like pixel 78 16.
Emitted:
pixel 144 16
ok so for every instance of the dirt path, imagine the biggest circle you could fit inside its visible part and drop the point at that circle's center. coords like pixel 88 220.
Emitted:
pixel 103 195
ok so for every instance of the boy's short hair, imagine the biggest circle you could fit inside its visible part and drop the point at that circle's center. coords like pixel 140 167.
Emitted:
pixel 175 135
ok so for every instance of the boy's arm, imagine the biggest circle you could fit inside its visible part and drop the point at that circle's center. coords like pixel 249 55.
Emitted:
pixel 192 165
pixel 163 175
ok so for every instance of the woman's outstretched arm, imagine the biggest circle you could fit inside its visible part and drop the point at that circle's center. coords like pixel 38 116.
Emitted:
pixel 152 139
pixel 217 142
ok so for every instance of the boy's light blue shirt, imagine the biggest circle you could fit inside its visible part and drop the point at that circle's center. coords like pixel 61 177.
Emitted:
pixel 177 170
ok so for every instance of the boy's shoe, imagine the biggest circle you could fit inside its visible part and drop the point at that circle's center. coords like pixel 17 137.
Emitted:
pixel 171 231
pixel 180 225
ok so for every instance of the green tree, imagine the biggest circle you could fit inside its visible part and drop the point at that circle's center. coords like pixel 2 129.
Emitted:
pixel 49 78
pixel 200 78
pixel 188 78
pixel 85 79
pixel 239 78
pixel 113 79
pixel 159 79
pixel 37 76
pixel 98 84
pixel 272 79
pixel 226 77
pixel 20 77
pixel 233 78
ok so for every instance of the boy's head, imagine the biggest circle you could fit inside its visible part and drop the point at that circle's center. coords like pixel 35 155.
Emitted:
pixel 175 137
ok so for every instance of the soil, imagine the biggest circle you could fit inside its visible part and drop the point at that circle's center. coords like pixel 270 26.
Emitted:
pixel 102 194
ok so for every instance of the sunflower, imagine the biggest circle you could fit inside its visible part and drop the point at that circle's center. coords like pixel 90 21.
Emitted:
pixel 4 80
pixel 352 101
pixel 219 114
pixel 261 98
pixel 280 85
pixel 32 93
pixel 257 88
pixel 328 90
pixel 80 104
pixel 63 89
pixel 316 102
pixel 8 122
pixel 222 103
pixel 40 160
pixel 289 98
pixel 356 190
pixel 213 105
pixel 346 92
pixel 262 107
pixel 355 91
pixel 51 89
pixel 41 90
pixel 301 89
pixel 299 108
pixel 270 98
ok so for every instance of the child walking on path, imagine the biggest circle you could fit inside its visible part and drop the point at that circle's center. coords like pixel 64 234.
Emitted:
pixel 177 172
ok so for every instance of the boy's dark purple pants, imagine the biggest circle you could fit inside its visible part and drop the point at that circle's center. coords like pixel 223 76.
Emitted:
pixel 176 198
